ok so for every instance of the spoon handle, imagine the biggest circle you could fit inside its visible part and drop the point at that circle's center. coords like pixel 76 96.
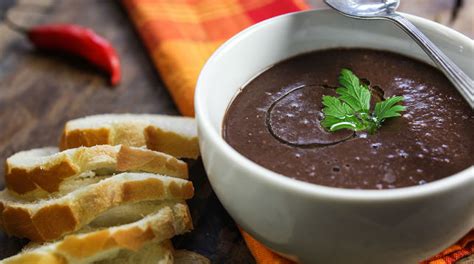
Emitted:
pixel 447 66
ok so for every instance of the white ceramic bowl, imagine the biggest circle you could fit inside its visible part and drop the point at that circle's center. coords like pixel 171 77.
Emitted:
pixel 317 224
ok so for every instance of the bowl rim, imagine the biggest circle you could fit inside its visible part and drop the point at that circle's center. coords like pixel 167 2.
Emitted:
pixel 310 189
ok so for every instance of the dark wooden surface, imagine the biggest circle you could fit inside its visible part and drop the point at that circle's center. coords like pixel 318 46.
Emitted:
pixel 39 92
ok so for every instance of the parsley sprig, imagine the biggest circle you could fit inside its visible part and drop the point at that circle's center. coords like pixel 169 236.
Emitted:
pixel 351 110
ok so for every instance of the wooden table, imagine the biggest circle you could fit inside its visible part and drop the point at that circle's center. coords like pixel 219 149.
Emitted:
pixel 40 92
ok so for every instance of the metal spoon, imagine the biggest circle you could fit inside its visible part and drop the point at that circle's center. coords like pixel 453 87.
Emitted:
pixel 385 9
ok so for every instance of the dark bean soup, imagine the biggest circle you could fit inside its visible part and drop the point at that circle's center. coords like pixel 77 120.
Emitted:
pixel 275 122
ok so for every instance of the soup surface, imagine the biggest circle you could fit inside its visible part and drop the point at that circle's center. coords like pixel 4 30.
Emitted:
pixel 275 122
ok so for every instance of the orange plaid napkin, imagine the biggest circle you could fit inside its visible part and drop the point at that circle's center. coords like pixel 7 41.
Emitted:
pixel 181 35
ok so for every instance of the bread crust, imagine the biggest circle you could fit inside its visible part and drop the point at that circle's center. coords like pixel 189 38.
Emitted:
pixel 51 219
pixel 105 243
pixel 36 258
pixel 139 159
pixel 23 181
pixel 84 137
pixel 171 143
pixel 134 130
pixel 45 177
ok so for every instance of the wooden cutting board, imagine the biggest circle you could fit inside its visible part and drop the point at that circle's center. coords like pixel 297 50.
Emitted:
pixel 39 92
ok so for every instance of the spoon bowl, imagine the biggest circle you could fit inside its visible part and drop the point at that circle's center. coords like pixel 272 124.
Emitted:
pixel 364 8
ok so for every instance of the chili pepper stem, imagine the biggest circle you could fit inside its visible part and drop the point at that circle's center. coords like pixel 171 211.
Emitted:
pixel 15 27
pixel 24 8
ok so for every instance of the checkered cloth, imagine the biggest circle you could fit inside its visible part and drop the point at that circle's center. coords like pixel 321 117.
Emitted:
pixel 181 35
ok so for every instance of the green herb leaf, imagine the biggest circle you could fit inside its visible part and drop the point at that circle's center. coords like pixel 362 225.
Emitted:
pixel 352 92
pixel 389 108
pixel 334 107
pixel 338 115
pixel 351 110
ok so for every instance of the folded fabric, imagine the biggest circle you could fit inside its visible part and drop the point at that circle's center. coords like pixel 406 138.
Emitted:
pixel 181 35
pixel 463 248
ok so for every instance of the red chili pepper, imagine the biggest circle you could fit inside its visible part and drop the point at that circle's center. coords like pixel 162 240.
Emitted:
pixel 80 41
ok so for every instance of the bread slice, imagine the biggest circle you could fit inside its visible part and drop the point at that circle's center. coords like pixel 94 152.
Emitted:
pixel 188 257
pixel 156 253
pixel 173 135
pixel 107 243
pixel 124 214
pixel 152 253
pixel 38 173
pixel 48 220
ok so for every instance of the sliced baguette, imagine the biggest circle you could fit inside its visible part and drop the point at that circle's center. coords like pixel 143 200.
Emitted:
pixel 157 253
pixel 174 135
pixel 38 173
pixel 152 253
pixel 125 214
pixel 48 220
pixel 189 257
pixel 168 221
